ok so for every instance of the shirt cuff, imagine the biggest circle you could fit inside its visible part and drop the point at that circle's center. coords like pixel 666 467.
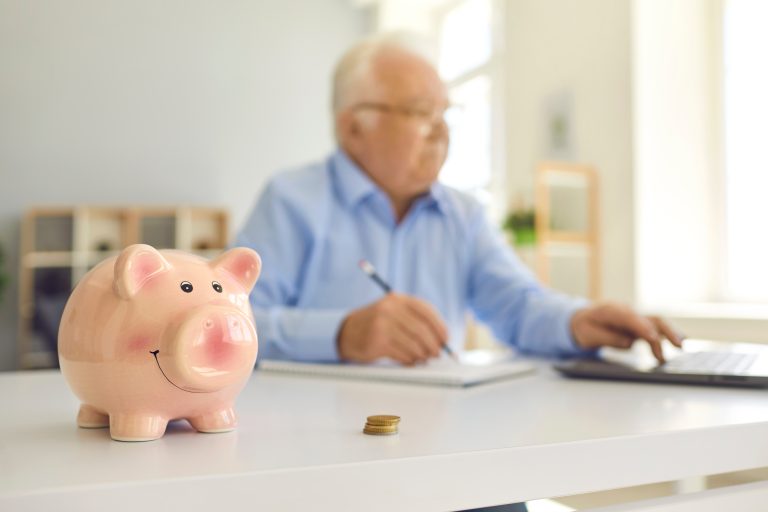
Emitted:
pixel 546 326
pixel 299 334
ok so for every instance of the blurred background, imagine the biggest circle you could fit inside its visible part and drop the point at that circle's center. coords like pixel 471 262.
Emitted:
pixel 615 141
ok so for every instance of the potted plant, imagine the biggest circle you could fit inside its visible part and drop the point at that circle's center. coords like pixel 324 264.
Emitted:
pixel 520 224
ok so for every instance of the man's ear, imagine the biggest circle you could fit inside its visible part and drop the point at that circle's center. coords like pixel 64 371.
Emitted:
pixel 243 264
pixel 135 267
pixel 348 126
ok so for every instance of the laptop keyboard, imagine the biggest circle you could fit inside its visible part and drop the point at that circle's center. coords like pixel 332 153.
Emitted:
pixel 710 362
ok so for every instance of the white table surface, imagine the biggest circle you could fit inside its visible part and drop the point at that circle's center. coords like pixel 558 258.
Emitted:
pixel 299 445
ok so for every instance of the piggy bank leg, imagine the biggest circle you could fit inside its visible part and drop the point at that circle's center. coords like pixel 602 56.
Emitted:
pixel 136 427
pixel 89 417
pixel 222 420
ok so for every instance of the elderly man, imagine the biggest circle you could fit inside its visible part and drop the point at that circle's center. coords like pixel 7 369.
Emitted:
pixel 377 198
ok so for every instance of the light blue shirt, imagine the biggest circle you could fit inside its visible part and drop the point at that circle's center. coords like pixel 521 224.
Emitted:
pixel 313 225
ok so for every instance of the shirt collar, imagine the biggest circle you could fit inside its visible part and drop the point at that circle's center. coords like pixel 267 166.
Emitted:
pixel 438 197
pixel 354 185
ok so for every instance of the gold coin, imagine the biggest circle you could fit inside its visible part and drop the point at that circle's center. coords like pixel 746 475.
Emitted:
pixel 379 432
pixel 383 419
pixel 379 429
pixel 382 424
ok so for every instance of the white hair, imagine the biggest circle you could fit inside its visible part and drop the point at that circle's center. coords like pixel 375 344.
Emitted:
pixel 353 71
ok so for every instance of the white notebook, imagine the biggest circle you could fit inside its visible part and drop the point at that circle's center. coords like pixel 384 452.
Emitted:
pixel 442 372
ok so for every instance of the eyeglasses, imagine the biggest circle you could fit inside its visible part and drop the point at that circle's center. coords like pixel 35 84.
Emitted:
pixel 430 117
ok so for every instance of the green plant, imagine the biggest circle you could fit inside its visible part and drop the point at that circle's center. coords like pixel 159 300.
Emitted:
pixel 522 223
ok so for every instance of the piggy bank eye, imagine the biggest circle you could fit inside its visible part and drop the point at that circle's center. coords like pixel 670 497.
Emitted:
pixel 217 286
pixel 186 286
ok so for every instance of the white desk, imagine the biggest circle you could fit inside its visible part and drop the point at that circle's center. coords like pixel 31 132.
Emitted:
pixel 299 445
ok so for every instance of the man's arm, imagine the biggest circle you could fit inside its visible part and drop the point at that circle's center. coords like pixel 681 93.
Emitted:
pixel 506 295
pixel 282 235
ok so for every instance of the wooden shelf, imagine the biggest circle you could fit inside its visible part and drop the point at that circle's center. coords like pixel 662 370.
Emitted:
pixel 38 360
pixel 566 237
pixel 567 225
pixel 48 259
pixel 60 244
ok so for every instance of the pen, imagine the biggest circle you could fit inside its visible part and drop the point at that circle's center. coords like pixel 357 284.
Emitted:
pixel 370 271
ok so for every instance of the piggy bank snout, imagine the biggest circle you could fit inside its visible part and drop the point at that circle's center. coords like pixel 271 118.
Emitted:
pixel 211 348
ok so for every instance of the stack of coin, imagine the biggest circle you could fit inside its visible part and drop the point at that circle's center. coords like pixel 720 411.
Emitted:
pixel 381 425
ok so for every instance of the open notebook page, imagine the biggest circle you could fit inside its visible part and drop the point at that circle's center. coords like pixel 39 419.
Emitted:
pixel 443 371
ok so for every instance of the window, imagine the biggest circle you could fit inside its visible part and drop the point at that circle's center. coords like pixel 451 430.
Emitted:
pixel 746 161
pixel 469 64
pixel 701 171
pixel 466 33
pixel 465 38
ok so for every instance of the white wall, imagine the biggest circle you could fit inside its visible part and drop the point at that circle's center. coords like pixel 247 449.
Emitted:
pixel 581 49
pixel 140 101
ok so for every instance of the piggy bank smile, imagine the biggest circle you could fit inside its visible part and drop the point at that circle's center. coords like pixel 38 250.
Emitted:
pixel 154 353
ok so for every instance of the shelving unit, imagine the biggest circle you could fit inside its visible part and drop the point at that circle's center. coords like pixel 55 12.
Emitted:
pixel 567 228
pixel 59 245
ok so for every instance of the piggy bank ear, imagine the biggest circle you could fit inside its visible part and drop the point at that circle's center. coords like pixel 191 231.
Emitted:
pixel 241 263
pixel 135 267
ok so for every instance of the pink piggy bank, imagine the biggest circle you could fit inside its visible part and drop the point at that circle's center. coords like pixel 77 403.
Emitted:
pixel 152 336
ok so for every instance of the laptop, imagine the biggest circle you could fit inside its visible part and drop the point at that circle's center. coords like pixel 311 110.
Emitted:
pixel 699 362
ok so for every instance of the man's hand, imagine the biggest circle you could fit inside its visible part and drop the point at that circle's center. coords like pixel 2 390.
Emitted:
pixel 615 325
pixel 400 327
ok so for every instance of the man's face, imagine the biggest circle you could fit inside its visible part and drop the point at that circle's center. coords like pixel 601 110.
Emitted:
pixel 395 130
